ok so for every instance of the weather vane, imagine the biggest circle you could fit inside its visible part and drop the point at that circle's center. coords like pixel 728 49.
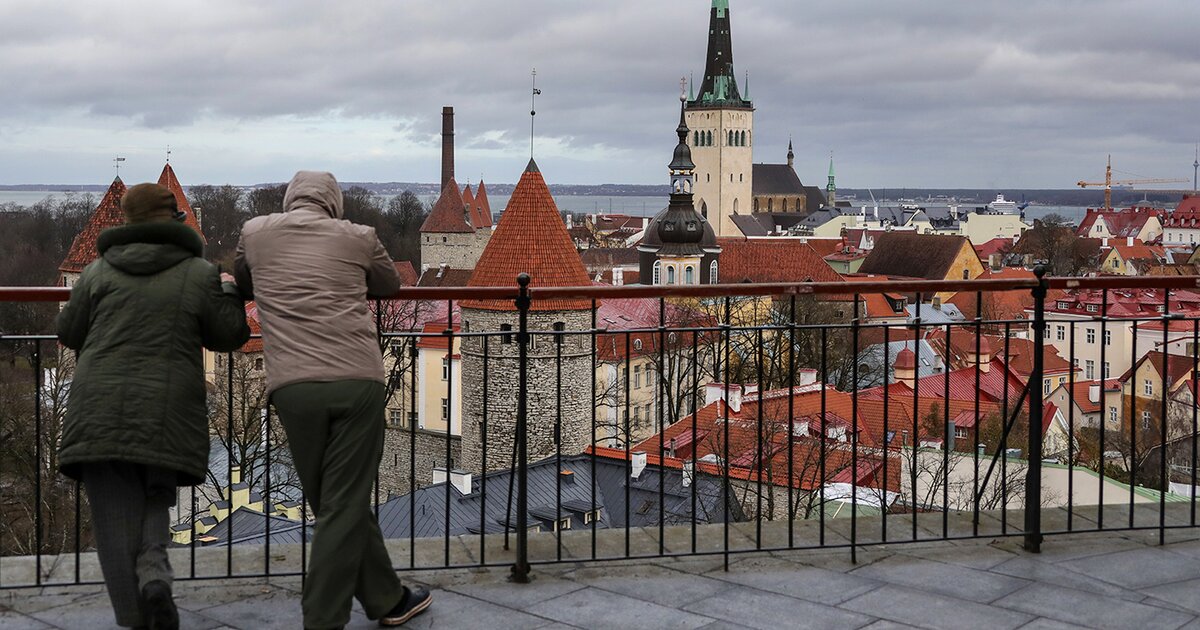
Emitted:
pixel 682 87
pixel 168 153
pixel 117 164
pixel 533 110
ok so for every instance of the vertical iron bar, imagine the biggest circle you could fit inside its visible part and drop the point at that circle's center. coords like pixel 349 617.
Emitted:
pixel 762 462
pixel 725 486
pixel 229 460
pixel 854 335
pixel 484 441
pixel 592 478
pixel 448 333
pixel 975 494
pixel 1033 476
pixel 78 526
pixel 821 438
pixel 413 421
pixel 791 423
pixel 267 492
pixel 520 569
pixel 1005 427
pixel 662 424
pixel 627 436
pixel 694 409
pixel 1195 396
pixel 1071 427
pixel 37 464
pixel 558 348
pixel 947 434
pixel 1133 457
pixel 1103 411
pixel 1165 482
pixel 887 440
pixel 916 409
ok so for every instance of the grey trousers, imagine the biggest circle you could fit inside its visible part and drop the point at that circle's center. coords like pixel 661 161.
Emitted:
pixel 130 517
pixel 335 433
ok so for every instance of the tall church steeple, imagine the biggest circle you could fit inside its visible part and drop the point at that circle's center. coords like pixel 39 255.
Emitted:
pixel 719 88
pixel 722 123
pixel 830 188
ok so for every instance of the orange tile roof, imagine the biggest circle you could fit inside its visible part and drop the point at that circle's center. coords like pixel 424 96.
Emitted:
pixel 530 238
pixel 171 182
pixel 255 344
pixel 408 273
pixel 772 260
pixel 449 213
pixel 108 214
pixel 481 209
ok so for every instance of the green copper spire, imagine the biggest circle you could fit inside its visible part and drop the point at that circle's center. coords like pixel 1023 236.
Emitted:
pixel 719 88
pixel 831 188
pixel 831 167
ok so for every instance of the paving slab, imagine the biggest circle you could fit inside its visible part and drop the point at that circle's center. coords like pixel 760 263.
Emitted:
pixel 1138 568
pixel 600 609
pixel 810 583
pixel 929 610
pixel 1089 609
pixel 770 611
pixel 938 577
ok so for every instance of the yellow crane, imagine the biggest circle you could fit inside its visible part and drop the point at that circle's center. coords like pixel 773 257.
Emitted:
pixel 1108 183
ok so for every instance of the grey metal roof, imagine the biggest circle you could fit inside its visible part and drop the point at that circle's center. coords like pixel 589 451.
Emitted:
pixel 423 513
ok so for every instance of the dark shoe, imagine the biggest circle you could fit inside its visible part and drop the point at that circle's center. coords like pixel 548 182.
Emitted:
pixel 160 607
pixel 415 601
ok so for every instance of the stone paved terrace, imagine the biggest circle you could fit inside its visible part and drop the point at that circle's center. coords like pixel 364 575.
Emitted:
pixel 1097 580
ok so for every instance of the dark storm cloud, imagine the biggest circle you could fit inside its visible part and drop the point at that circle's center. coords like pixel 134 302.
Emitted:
pixel 907 93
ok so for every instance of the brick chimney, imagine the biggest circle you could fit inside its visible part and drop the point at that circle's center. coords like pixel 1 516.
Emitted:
pixel 447 145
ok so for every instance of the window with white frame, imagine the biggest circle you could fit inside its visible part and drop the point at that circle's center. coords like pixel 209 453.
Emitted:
pixel 712 272
pixel 670 275
pixel 1045 387
pixel 395 417
pixel 1089 369
pixel 637 377
pixel 445 368
pixel 1145 420
pixel 1092 308
pixel 1107 370
pixel 1061 333
pixel 445 408
pixel 657 272
pixel 1112 415
pixel 1108 337
pixel 1091 335
pixel 1148 387
pixel 689 275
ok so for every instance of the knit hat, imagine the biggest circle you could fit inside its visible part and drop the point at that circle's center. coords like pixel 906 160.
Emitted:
pixel 144 203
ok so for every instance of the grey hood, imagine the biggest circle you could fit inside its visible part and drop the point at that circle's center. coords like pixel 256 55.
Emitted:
pixel 317 191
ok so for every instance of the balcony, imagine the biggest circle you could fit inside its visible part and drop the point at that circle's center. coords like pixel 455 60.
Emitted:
pixel 634 451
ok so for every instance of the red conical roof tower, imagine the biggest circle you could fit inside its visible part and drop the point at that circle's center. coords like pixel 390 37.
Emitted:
pixel 468 198
pixel 448 214
pixel 108 214
pixel 168 179
pixel 530 238
pixel 482 210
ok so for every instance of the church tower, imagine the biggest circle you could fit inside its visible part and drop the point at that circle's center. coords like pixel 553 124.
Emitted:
pixel 679 247
pixel 722 125
pixel 830 188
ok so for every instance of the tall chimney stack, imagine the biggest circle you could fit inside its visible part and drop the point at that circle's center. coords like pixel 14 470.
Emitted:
pixel 447 145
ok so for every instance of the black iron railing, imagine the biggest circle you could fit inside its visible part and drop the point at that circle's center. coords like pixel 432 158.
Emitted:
pixel 532 425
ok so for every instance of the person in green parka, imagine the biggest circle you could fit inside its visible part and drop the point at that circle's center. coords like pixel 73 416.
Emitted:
pixel 136 425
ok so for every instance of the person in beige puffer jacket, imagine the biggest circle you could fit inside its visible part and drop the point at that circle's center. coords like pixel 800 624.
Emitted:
pixel 311 273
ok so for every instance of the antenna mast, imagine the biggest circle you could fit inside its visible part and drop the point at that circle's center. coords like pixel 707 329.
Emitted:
pixel 533 110
pixel 1196 169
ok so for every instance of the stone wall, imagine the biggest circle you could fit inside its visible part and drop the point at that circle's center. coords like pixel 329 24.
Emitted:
pixel 543 378
pixel 398 453
pixel 458 251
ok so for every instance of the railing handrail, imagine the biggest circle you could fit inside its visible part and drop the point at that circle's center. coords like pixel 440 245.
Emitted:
pixel 600 292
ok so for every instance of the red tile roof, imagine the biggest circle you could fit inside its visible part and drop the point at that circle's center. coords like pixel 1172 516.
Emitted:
pixel 408 274
pixel 481 208
pixel 171 182
pixel 530 238
pixel 448 214
pixel 255 344
pixel 997 245
pixel 772 260
pixel 1121 223
pixel 108 214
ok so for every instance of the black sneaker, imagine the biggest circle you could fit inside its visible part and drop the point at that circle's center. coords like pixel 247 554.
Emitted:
pixel 415 601
pixel 161 613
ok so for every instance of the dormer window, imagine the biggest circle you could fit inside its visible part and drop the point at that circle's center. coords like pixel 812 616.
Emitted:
pixel 692 226
pixel 1064 305
pixel 1092 308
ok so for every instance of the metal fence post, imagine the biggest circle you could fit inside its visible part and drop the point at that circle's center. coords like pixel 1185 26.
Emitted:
pixel 1033 476
pixel 520 569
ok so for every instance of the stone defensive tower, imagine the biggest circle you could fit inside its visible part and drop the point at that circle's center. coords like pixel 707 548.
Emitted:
pixel 529 238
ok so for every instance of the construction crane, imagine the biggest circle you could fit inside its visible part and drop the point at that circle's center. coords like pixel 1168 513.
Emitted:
pixel 1108 183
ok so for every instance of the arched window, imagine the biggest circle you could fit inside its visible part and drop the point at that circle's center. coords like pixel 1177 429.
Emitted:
pixel 657 272
pixel 689 275
pixel 770 205
pixel 735 204
pixel 712 273
pixel 730 139
pixel 696 138
pixel 704 209
pixel 742 139
pixel 708 138
pixel 671 275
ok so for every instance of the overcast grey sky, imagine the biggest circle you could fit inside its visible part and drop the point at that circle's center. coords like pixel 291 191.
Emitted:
pixel 929 93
